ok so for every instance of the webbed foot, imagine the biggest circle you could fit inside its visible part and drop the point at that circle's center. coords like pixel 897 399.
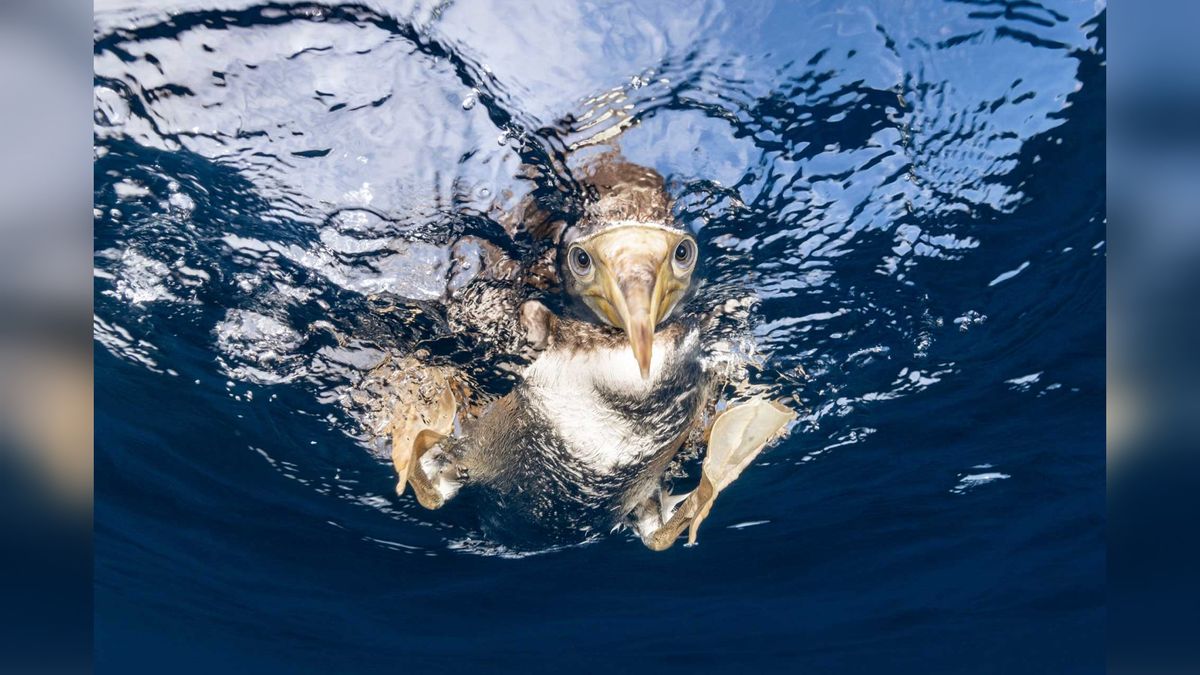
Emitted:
pixel 737 436
pixel 423 417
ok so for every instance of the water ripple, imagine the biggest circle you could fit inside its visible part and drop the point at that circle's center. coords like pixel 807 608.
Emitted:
pixel 285 192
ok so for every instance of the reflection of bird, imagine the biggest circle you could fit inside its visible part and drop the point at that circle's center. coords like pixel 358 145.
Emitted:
pixel 623 376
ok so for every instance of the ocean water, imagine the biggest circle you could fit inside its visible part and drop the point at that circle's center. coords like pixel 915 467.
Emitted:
pixel 914 190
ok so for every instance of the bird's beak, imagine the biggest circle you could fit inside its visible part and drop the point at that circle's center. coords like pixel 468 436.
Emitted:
pixel 639 315
pixel 636 285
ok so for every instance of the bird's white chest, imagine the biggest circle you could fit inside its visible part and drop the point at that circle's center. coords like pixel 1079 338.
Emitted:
pixel 566 386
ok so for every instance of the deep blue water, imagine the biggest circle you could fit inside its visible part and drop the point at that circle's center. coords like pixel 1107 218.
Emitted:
pixel 915 190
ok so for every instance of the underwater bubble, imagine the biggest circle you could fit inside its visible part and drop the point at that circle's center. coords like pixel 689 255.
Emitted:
pixel 182 202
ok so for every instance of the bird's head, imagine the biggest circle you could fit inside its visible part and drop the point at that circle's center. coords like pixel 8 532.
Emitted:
pixel 631 275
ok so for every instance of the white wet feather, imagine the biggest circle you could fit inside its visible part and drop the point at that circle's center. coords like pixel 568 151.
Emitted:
pixel 564 387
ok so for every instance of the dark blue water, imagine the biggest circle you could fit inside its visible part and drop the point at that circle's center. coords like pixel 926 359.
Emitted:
pixel 914 190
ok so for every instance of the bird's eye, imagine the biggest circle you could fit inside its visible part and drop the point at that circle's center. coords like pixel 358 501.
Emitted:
pixel 685 255
pixel 580 261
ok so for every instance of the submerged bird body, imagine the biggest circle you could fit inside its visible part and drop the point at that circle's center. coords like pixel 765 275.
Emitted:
pixel 624 375
pixel 584 438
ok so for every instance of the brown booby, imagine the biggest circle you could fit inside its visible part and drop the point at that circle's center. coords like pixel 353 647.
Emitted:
pixel 622 378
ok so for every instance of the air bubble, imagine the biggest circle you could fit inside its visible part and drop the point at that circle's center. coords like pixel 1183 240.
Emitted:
pixel 182 202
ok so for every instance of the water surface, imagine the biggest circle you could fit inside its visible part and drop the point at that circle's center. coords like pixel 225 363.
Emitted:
pixel 915 191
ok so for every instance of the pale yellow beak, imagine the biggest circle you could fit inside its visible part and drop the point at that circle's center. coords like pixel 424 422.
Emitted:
pixel 637 299
pixel 635 283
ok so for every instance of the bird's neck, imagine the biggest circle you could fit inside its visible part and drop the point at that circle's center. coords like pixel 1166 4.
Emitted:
pixel 589 355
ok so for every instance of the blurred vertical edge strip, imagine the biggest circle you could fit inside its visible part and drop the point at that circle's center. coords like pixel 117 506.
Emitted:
pixel 45 336
pixel 1153 374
